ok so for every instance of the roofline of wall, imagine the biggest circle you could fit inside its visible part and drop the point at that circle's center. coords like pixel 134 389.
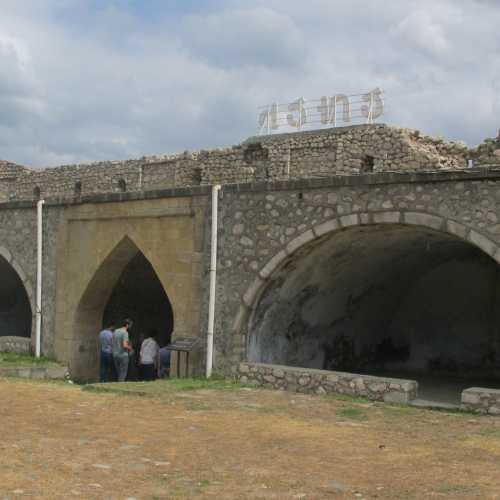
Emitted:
pixel 380 178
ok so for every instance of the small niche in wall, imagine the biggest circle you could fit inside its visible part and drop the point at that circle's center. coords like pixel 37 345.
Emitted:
pixel 37 193
pixel 255 152
pixel 78 188
pixel 122 186
pixel 367 164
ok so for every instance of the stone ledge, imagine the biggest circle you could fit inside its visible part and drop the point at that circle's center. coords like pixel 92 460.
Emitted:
pixel 309 380
pixel 481 400
pixel 36 372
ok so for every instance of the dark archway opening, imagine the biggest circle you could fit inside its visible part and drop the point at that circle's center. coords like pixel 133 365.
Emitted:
pixel 139 295
pixel 386 300
pixel 15 309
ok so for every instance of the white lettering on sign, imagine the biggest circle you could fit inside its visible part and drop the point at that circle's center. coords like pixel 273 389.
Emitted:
pixel 323 111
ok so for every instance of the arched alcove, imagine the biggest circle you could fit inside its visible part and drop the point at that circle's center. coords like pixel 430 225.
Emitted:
pixel 139 295
pixel 125 285
pixel 384 299
pixel 15 309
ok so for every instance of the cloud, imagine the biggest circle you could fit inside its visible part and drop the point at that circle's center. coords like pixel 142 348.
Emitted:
pixel 83 80
pixel 255 37
pixel 421 29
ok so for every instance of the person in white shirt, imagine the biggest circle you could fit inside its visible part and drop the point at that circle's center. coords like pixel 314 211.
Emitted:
pixel 149 356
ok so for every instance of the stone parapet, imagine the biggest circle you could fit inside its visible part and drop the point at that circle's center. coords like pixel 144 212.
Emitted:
pixel 314 154
pixel 308 380
pixel 481 400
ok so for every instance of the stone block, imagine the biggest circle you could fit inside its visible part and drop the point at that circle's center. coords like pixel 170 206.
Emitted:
pixel 387 217
pixel 300 241
pixel 377 387
pixel 482 242
pixel 494 410
pixel 349 220
pixel 5 254
pixel 22 373
pixel 457 229
pixel 253 289
pixel 38 373
pixel 272 264
pixel 332 379
pixel 359 383
pixel 56 372
pixel 365 218
pixel 470 398
pixel 421 219
pixel 326 227
pixel 397 397
pixel 243 368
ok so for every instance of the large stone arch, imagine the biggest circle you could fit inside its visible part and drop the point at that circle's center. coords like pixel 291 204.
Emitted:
pixel 24 342
pixel 88 315
pixel 414 218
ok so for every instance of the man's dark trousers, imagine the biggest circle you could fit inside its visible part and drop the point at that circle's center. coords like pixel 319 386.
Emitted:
pixel 107 367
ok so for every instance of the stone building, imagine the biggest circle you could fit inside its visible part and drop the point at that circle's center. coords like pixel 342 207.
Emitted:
pixel 368 249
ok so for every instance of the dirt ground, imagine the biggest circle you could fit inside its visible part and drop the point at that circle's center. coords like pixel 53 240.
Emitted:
pixel 59 442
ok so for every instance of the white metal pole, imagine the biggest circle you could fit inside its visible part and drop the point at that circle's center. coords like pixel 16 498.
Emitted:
pixel 38 332
pixel 213 278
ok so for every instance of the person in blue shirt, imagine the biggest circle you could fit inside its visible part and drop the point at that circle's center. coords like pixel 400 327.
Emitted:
pixel 106 354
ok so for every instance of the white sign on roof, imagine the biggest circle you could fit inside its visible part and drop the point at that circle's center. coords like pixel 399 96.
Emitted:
pixel 339 109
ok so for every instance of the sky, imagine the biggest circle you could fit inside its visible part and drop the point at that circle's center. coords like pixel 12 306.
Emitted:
pixel 86 80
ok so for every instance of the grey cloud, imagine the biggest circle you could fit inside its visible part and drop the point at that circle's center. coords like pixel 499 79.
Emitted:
pixel 257 36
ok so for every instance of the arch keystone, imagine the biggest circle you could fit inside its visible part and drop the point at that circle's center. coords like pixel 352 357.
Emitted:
pixel 387 217
pixel 420 219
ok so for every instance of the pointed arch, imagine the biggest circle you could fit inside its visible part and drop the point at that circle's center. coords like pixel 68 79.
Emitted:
pixel 91 308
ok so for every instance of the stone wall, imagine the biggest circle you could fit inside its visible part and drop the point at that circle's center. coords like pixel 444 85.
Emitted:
pixel 305 380
pixel 281 192
pixel 19 345
pixel 481 400
pixel 18 248
pixel 321 153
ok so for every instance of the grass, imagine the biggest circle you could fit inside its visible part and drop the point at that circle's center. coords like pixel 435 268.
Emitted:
pixel 11 360
pixel 162 387
pixel 347 397
pixel 351 413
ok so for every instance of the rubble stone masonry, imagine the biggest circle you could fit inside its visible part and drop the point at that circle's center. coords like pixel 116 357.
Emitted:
pixel 312 154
